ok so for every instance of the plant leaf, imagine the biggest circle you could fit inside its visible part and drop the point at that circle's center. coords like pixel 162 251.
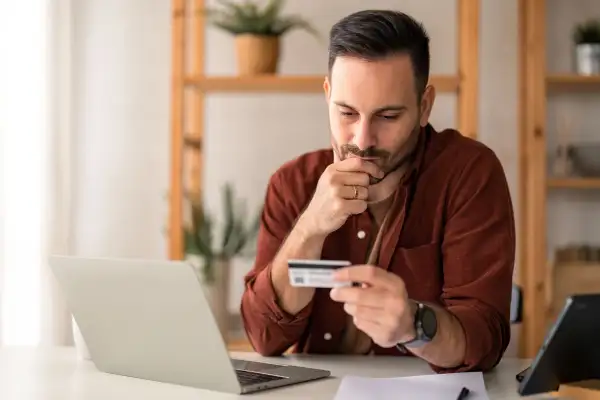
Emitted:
pixel 228 210
pixel 587 32
pixel 189 243
pixel 269 15
pixel 237 235
pixel 204 237
pixel 247 17
pixel 208 270
pixel 286 24
pixel 236 10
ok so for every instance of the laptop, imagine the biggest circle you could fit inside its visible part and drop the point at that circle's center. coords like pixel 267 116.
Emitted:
pixel 571 349
pixel 151 320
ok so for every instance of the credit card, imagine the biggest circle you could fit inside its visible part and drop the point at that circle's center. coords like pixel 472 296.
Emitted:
pixel 315 273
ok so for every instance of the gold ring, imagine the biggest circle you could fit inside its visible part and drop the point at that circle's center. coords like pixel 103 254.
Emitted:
pixel 355 192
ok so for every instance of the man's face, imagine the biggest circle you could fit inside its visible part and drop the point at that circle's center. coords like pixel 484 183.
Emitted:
pixel 374 110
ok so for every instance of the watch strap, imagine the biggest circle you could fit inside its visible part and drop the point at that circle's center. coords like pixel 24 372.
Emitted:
pixel 420 338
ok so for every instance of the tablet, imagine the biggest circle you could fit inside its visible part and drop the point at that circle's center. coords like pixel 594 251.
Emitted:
pixel 571 350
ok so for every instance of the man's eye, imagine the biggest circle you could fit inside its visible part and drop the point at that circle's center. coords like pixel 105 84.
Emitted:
pixel 347 113
pixel 390 117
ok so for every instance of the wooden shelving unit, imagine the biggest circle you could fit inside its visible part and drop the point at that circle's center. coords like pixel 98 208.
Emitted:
pixel 567 79
pixel 190 85
pixel 574 83
pixel 288 84
pixel 574 183
pixel 536 276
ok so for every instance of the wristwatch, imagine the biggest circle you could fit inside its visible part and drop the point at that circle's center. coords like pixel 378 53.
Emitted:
pixel 425 327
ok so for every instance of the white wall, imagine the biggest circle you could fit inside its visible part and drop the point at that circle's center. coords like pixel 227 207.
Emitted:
pixel 121 126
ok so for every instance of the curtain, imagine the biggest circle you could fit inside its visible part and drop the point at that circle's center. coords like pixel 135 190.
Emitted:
pixel 35 187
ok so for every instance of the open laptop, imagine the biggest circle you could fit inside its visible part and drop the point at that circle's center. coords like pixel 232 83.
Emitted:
pixel 151 320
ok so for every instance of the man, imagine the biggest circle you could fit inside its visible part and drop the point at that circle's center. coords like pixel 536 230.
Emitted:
pixel 424 217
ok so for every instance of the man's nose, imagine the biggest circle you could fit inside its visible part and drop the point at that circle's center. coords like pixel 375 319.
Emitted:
pixel 363 135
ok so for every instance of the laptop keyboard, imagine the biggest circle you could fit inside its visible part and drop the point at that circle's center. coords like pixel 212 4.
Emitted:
pixel 251 378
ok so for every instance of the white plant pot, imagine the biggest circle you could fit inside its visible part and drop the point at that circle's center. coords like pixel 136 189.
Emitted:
pixel 587 59
pixel 82 349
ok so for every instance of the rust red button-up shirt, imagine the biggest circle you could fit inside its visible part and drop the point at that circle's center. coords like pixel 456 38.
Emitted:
pixel 451 238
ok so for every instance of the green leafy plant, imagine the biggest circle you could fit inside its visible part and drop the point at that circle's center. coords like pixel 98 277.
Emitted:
pixel 587 32
pixel 247 17
pixel 238 233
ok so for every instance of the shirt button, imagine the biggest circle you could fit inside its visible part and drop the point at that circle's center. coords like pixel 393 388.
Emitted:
pixel 327 336
pixel 361 234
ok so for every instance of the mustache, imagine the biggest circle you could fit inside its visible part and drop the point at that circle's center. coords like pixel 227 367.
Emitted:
pixel 368 152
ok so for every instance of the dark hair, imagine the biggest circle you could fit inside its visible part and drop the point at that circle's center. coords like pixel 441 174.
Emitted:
pixel 376 34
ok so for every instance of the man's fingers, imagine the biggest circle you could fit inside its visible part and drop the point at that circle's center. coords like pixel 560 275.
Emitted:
pixel 357 164
pixel 357 178
pixel 375 315
pixel 353 192
pixel 371 275
pixel 365 297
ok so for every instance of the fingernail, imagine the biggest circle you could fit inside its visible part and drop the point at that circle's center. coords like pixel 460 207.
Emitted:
pixel 333 292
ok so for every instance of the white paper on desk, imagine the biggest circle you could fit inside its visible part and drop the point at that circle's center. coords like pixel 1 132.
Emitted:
pixel 430 387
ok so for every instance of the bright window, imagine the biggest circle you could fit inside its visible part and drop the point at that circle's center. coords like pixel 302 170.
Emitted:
pixel 23 111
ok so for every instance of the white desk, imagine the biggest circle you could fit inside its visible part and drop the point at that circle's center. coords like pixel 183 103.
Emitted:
pixel 56 373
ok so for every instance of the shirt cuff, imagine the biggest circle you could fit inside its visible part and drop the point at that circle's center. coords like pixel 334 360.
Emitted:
pixel 264 295
pixel 482 349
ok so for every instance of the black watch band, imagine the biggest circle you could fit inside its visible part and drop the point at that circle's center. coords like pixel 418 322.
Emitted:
pixel 425 327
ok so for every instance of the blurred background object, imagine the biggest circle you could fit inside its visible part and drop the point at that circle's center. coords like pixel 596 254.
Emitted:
pixel 257 30
pixel 586 36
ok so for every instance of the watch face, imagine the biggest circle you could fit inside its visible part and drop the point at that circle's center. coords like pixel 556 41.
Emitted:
pixel 429 322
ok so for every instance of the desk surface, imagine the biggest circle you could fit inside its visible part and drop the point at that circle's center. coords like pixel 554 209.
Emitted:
pixel 56 373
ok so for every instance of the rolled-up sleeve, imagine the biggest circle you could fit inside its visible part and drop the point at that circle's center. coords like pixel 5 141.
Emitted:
pixel 478 260
pixel 270 329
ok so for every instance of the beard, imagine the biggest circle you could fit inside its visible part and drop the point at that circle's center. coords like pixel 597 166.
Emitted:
pixel 386 160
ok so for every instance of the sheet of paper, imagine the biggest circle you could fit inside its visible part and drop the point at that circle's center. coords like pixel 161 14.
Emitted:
pixel 430 387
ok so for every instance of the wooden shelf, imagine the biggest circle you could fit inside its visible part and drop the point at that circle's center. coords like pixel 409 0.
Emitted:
pixel 573 82
pixel 574 183
pixel 289 84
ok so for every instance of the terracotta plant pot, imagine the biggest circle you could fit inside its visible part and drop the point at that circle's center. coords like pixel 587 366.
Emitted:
pixel 257 54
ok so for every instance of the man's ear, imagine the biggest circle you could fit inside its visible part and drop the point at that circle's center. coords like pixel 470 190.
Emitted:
pixel 326 88
pixel 427 101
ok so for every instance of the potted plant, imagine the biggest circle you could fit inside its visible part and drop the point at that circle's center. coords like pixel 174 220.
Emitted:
pixel 257 32
pixel 212 257
pixel 586 36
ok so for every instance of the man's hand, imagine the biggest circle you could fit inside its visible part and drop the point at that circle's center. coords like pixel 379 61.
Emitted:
pixel 342 191
pixel 380 307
